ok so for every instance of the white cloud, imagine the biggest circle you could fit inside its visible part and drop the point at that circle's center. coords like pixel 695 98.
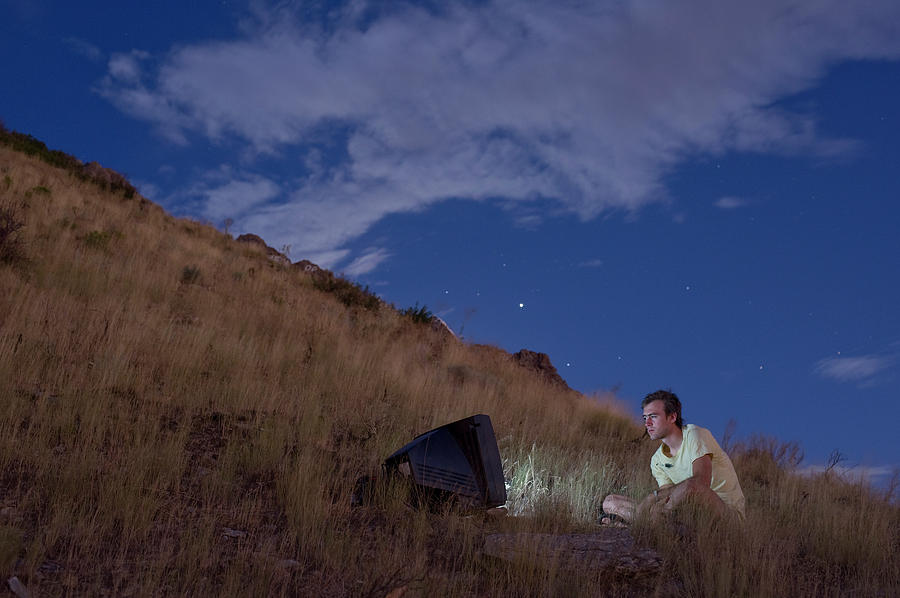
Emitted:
pixel 326 259
pixel 730 203
pixel 367 262
pixel 595 263
pixel 84 48
pixel 590 104
pixel 236 197
pixel 854 369
pixel 126 68
pixel 148 190
pixel 123 87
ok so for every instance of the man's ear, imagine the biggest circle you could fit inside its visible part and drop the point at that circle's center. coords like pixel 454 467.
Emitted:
pixel 671 417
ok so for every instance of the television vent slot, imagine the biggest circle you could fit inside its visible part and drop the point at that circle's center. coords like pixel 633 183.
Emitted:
pixel 448 480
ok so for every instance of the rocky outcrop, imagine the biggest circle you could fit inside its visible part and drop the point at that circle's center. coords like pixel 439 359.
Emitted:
pixel 311 269
pixel 104 175
pixel 273 254
pixel 107 177
pixel 540 363
pixel 307 267
pixel 609 550
pixel 441 327
pixel 252 239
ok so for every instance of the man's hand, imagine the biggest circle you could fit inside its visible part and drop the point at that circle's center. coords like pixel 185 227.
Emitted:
pixel 697 483
pixel 669 496
pixel 654 503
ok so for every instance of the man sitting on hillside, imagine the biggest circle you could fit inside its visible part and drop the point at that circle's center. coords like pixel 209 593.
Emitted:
pixel 688 464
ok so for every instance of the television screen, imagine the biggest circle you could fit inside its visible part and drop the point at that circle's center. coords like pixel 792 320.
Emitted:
pixel 460 458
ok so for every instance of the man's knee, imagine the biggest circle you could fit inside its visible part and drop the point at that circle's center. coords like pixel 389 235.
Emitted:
pixel 694 486
pixel 612 501
pixel 701 490
pixel 705 495
pixel 616 504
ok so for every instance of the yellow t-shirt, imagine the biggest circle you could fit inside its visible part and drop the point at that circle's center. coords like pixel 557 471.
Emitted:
pixel 697 442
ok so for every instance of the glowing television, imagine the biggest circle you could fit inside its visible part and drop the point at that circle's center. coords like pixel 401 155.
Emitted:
pixel 459 460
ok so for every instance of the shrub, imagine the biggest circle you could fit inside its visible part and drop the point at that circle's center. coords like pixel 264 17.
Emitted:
pixel 10 547
pixel 100 239
pixel 10 240
pixel 39 190
pixel 105 178
pixel 419 315
pixel 190 274
pixel 33 147
pixel 109 179
pixel 347 292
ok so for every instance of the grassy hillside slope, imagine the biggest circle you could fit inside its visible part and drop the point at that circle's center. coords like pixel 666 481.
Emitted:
pixel 181 415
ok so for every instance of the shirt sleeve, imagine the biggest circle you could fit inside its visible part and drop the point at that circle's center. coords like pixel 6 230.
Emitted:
pixel 702 443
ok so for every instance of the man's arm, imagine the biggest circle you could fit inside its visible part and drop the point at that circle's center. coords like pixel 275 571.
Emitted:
pixel 669 495
pixel 702 470
pixel 655 501
pixel 699 481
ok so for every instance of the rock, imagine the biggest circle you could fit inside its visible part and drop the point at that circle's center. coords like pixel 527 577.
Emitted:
pixel 17 587
pixel 288 564
pixel 313 271
pixel 397 592
pixel 272 253
pixel 106 176
pixel 540 364
pixel 307 267
pixel 610 550
pixel 441 327
pixel 233 533
pixel 252 239
pixel 50 567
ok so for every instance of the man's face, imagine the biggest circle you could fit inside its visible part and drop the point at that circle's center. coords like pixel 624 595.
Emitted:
pixel 658 424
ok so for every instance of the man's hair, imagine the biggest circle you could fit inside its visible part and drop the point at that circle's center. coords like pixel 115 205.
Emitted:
pixel 670 402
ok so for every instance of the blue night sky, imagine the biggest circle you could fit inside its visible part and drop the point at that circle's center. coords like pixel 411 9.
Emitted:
pixel 697 195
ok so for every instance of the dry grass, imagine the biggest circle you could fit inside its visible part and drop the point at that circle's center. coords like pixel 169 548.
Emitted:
pixel 180 415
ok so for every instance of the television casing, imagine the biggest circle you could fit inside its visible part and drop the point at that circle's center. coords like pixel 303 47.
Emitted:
pixel 459 460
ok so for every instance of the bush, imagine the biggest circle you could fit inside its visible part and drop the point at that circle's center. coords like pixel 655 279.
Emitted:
pixel 10 547
pixel 347 292
pixel 190 274
pixel 100 239
pixel 34 147
pixel 10 239
pixel 105 178
pixel 39 190
pixel 419 315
